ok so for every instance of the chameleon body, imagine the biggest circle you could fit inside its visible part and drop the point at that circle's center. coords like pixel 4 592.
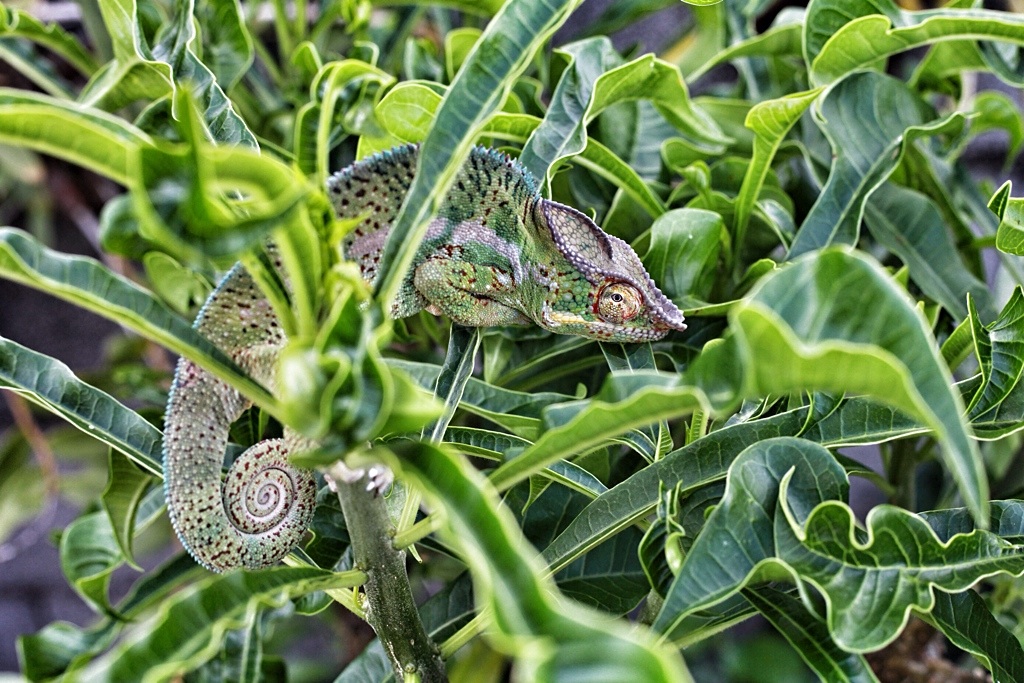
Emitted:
pixel 497 254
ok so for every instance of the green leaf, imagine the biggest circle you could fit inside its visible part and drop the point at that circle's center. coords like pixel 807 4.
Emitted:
pixel 609 577
pixel 944 62
pixel 88 284
pixel 783 38
pixel 1006 521
pixel 909 225
pixel 150 73
pixel 501 55
pixel 770 121
pixel 497 446
pixel 89 553
pixel 463 344
pixel 200 201
pixel 996 407
pixel 182 288
pixel 862 421
pixel 966 620
pixel 996 111
pixel 684 251
pixel 27 60
pixel 15 23
pixel 458 43
pixel 837 322
pixel 595 79
pixel 60 647
pixel 404 115
pixel 842 36
pixel 626 401
pixel 900 558
pixel 782 515
pixel 189 627
pixel 126 485
pixel 517 411
pixel 695 465
pixel 556 639
pixel 51 384
pixel 87 137
pixel 133 73
pixel 227 46
pixel 809 636
pixel 1010 210
pixel 315 123
pixel 869 119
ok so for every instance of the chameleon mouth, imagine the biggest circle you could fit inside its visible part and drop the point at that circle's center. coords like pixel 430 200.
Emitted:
pixel 600 330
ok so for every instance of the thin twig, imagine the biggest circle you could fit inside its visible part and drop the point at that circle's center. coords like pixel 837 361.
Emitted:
pixel 44 457
pixel 36 440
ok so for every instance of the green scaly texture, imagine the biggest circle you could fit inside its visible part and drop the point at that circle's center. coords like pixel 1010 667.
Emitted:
pixel 497 254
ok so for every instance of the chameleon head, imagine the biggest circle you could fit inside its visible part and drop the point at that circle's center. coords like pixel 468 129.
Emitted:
pixel 613 298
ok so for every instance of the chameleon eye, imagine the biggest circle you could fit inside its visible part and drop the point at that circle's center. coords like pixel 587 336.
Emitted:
pixel 618 302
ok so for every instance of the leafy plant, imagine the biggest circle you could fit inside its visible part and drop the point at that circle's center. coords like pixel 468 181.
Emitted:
pixel 812 211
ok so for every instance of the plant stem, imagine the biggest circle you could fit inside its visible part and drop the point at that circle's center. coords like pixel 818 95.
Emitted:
pixel 390 608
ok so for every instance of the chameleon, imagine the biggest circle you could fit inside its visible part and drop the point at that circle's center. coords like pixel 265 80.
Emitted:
pixel 497 253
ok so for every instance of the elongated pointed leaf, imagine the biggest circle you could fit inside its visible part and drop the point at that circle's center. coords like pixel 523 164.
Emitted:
pixel 190 625
pixel 996 406
pixel 51 384
pixel 869 119
pixel 770 122
pixel 860 35
pixel 60 646
pixel 227 46
pixel 614 411
pixel 595 79
pixel 692 466
pixel 1010 210
pixel 87 283
pixel 315 122
pixel 909 224
pixel 783 513
pixel 89 554
pixel 684 252
pixel 965 619
pixel 517 411
pixel 126 485
pixel 809 636
pixel 87 137
pixel 497 446
pixel 154 72
pixel 837 322
pixel 568 641
pixel 20 24
pixel 1007 521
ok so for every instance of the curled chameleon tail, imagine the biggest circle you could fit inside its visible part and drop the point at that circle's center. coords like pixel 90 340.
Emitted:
pixel 262 508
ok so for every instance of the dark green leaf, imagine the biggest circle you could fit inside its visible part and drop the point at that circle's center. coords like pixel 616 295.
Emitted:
pixel 869 119
pixel 966 620
pixel 51 384
pixel 526 606
pixel 809 636
pixel 126 485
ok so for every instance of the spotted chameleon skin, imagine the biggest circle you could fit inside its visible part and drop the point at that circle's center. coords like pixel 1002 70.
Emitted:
pixel 500 254
pixel 264 505
pixel 497 254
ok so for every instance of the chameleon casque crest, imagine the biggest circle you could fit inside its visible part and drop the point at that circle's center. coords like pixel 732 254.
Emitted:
pixel 496 254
